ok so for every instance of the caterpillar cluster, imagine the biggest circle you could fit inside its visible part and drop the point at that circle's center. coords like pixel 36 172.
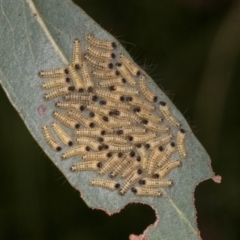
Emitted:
pixel 108 116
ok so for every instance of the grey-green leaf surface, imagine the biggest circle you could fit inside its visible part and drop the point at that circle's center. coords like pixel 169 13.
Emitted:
pixel 37 35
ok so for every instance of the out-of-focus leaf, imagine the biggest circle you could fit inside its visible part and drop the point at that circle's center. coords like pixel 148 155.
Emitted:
pixel 37 35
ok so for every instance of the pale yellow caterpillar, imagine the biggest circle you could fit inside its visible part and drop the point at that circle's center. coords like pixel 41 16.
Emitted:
pixel 110 164
pixel 164 109
pixel 106 44
pixel 104 75
pixel 76 54
pixel 145 90
pixel 90 132
pixel 141 138
pixel 55 82
pixel 76 78
pixel 160 140
pixel 135 163
pixel 153 159
pixel 53 73
pixel 121 167
pixel 155 183
pixel 129 91
pixel 52 143
pixel 56 92
pixel 169 150
pixel 130 65
pixel 180 143
pixel 100 64
pixel 99 53
pixel 86 166
pixel 125 73
pixel 145 191
pixel 70 105
pixel 85 121
pixel 80 97
pixel 137 101
pixel 130 181
pixel 166 168
pixel 66 120
pixel 87 79
pixel 103 155
pixel 91 142
pixel 105 183
pixel 111 82
pixel 145 114
pixel 62 134
pixel 74 151
pixel 109 96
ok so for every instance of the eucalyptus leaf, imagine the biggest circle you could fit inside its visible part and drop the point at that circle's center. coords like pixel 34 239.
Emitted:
pixel 38 35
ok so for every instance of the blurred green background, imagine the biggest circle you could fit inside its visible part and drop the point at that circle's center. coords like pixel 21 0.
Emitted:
pixel 191 48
